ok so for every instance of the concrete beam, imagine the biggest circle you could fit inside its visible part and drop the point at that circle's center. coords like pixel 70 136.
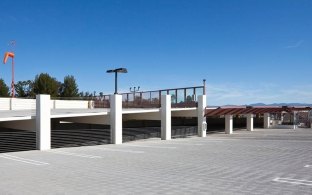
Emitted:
pixel 250 122
pixel 142 116
pixel 184 113
pixel 228 124
pixel 29 125
pixel 266 120
pixel 201 119
pixel 43 122
pixel 100 120
pixel 116 118
pixel 165 117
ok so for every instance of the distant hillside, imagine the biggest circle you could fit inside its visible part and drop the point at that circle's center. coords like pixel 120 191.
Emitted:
pixel 281 104
pixel 274 104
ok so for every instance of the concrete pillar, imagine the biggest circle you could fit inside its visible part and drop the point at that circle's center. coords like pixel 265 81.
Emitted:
pixel 266 120
pixel 116 119
pixel 228 124
pixel 43 122
pixel 294 120
pixel 250 122
pixel 165 117
pixel 201 119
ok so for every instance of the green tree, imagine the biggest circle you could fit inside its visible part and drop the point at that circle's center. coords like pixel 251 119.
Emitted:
pixel 189 98
pixel 69 87
pixel 45 84
pixel 4 89
pixel 24 88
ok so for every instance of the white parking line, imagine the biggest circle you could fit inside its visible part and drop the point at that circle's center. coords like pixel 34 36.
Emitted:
pixel 179 143
pixel 24 160
pixel 293 181
pixel 144 146
pixel 74 154
pixel 118 150
pixel 307 166
pixel 196 141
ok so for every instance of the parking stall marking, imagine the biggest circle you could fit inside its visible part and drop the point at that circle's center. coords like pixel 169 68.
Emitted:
pixel 198 142
pixel 119 150
pixel 186 144
pixel 308 166
pixel 23 160
pixel 74 154
pixel 293 181
pixel 158 147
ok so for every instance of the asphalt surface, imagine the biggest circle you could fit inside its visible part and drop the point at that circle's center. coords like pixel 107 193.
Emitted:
pixel 266 161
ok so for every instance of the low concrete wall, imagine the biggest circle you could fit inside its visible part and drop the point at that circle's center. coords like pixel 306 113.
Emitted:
pixel 5 103
pixel 26 104
pixel 22 104
pixel 70 104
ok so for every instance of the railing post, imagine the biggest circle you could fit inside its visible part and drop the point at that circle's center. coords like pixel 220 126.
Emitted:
pixel 176 96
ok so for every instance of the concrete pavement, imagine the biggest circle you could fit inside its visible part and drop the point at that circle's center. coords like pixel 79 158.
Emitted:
pixel 265 161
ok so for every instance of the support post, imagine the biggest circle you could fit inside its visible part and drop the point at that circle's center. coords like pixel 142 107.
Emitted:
pixel 266 120
pixel 116 119
pixel 201 119
pixel 166 117
pixel 43 122
pixel 250 122
pixel 294 120
pixel 228 124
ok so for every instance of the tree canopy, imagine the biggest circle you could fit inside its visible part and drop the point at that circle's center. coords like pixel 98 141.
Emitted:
pixel 4 89
pixel 24 88
pixel 69 88
pixel 45 84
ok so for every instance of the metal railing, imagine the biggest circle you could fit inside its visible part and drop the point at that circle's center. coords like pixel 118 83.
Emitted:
pixel 180 98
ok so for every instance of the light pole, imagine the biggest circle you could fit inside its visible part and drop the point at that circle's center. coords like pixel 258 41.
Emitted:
pixel 133 91
pixel 117 70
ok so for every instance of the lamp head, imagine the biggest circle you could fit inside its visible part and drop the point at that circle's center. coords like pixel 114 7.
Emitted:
pixel 118 70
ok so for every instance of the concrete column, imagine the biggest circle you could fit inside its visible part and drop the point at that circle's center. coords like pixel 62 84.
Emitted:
pixel 43 122
pixel 266 120
pixel 201 119
pixel 165 117
pixel 228 124
pixel 250 122
pixel 294 120
pixel 116 119
pixel 11 103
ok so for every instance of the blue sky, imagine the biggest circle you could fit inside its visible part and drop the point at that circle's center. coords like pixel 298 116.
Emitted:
pixel 248 50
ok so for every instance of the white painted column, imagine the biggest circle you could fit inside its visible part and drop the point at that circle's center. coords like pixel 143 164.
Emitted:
pixel 250 122
pixel 294 120
pixel 282 118
pixel 228 124
pixel 43 122
pixel 165 117
pixel 116 119
pixel 201 119
pixel 266 120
